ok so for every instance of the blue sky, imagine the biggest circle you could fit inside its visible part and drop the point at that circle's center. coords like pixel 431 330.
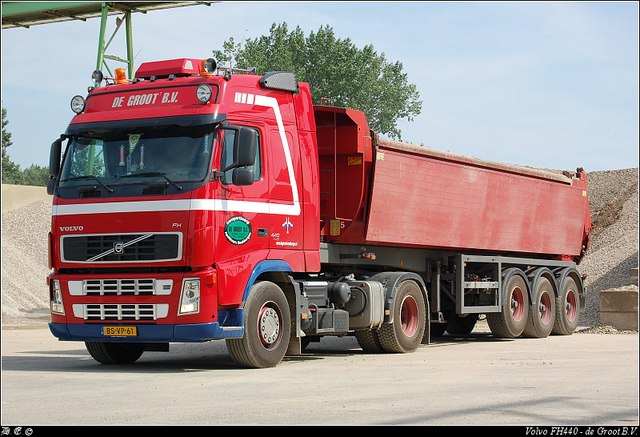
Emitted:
pixel 551 85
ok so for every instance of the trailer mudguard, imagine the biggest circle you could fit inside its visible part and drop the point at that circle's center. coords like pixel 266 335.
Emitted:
pixel 561 274
pixel 535 276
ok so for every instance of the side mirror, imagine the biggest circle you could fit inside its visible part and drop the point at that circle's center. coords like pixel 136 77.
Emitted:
pixel 54 164
pixel 51 186
pixel 245 151
pixel 242 177
pixel 54 157
pixel 245 147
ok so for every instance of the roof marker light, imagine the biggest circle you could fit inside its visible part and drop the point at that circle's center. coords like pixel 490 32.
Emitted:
pixel 77 104
pixel 121 76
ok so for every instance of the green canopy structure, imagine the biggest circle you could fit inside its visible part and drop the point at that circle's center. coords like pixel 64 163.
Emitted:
pixel 27 14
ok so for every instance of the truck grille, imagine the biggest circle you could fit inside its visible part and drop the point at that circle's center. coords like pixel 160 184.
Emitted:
pixel 116 248
pixel 121 312
pixel 120 287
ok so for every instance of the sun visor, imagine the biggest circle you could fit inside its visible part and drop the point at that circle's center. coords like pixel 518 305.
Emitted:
pixel 182 120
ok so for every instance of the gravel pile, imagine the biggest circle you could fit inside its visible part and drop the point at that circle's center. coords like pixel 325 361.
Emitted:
pixel 613 200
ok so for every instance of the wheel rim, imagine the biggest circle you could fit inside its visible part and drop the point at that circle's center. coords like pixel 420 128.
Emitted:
pixel 517 304
pixel 570 306
pixel 409 316
pixel 544 308
pixel 269 325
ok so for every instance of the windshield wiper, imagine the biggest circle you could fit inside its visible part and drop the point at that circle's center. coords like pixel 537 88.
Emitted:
pixel 153 173
pixel 77 178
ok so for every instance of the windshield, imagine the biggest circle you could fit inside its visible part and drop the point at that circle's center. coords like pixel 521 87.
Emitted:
pixel 123 156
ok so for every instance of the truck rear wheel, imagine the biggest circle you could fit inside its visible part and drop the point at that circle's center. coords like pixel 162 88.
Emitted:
pixel 369 342
pixel 542 311
pixel 511 321
pixel 267 327
pixel 409 318
pixel 115 353
pixel 567 308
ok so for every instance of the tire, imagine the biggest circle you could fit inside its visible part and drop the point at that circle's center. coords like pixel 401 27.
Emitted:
pixel 461 325
pixel 409 318
pixel 542 311
pixel 511 321
pixel 115 353
pixel 438 329
pixel 567 308
pixel 267 327
pixel 369 342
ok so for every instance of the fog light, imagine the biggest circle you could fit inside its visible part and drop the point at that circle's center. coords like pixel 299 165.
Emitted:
pixel 203 93
pixel 190 299
pixel 57 307
pixel 77 104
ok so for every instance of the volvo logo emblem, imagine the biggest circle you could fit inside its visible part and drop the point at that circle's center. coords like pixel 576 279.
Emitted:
pixel 118 247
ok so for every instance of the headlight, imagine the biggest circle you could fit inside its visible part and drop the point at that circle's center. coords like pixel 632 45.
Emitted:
pixel 57 306
pixel 203 93
pixel 190 299
pixel 77 104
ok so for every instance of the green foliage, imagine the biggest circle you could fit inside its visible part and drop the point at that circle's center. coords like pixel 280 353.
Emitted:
pixel 11 173
pixel 335 69
pixel 35 175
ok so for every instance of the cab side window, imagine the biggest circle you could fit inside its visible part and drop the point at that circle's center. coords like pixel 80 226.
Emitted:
pixel 226 159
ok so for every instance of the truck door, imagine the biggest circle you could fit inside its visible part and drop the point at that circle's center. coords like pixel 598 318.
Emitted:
pixel 287 220
pixel 242 211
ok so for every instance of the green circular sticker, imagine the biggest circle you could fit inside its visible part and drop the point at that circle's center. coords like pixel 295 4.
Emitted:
pixel 237 230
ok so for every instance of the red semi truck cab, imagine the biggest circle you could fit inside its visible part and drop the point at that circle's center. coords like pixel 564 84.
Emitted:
pixel 191 205
pixel 157 221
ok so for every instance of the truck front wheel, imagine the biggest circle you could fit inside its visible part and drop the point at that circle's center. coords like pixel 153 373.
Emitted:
pixel 409 318
pixel 115 353
pixel 267 327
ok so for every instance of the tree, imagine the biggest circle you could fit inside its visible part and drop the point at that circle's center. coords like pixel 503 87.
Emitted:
pixel 11 173
pixel 35 175
pixel 335 69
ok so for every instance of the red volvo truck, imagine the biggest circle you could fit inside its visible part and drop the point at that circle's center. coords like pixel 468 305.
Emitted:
pixel 193 203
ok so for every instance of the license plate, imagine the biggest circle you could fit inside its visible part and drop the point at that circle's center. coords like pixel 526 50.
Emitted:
pixel 119 331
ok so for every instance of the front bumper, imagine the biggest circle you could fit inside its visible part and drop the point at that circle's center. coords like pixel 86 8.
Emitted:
pixel 232 327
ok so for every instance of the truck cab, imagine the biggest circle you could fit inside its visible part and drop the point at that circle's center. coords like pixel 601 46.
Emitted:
pixel 173 192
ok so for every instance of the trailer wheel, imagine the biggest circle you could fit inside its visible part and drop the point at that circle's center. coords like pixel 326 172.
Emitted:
pixel 567 308
pixel 409 318
pixel 267 327
pixel 542 312
pixel 115 353
pixel 511 321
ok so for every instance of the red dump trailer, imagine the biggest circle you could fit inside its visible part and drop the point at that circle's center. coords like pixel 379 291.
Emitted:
pixel 192 204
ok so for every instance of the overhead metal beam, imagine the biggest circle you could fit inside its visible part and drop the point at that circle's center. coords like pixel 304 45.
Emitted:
pixel 26 14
